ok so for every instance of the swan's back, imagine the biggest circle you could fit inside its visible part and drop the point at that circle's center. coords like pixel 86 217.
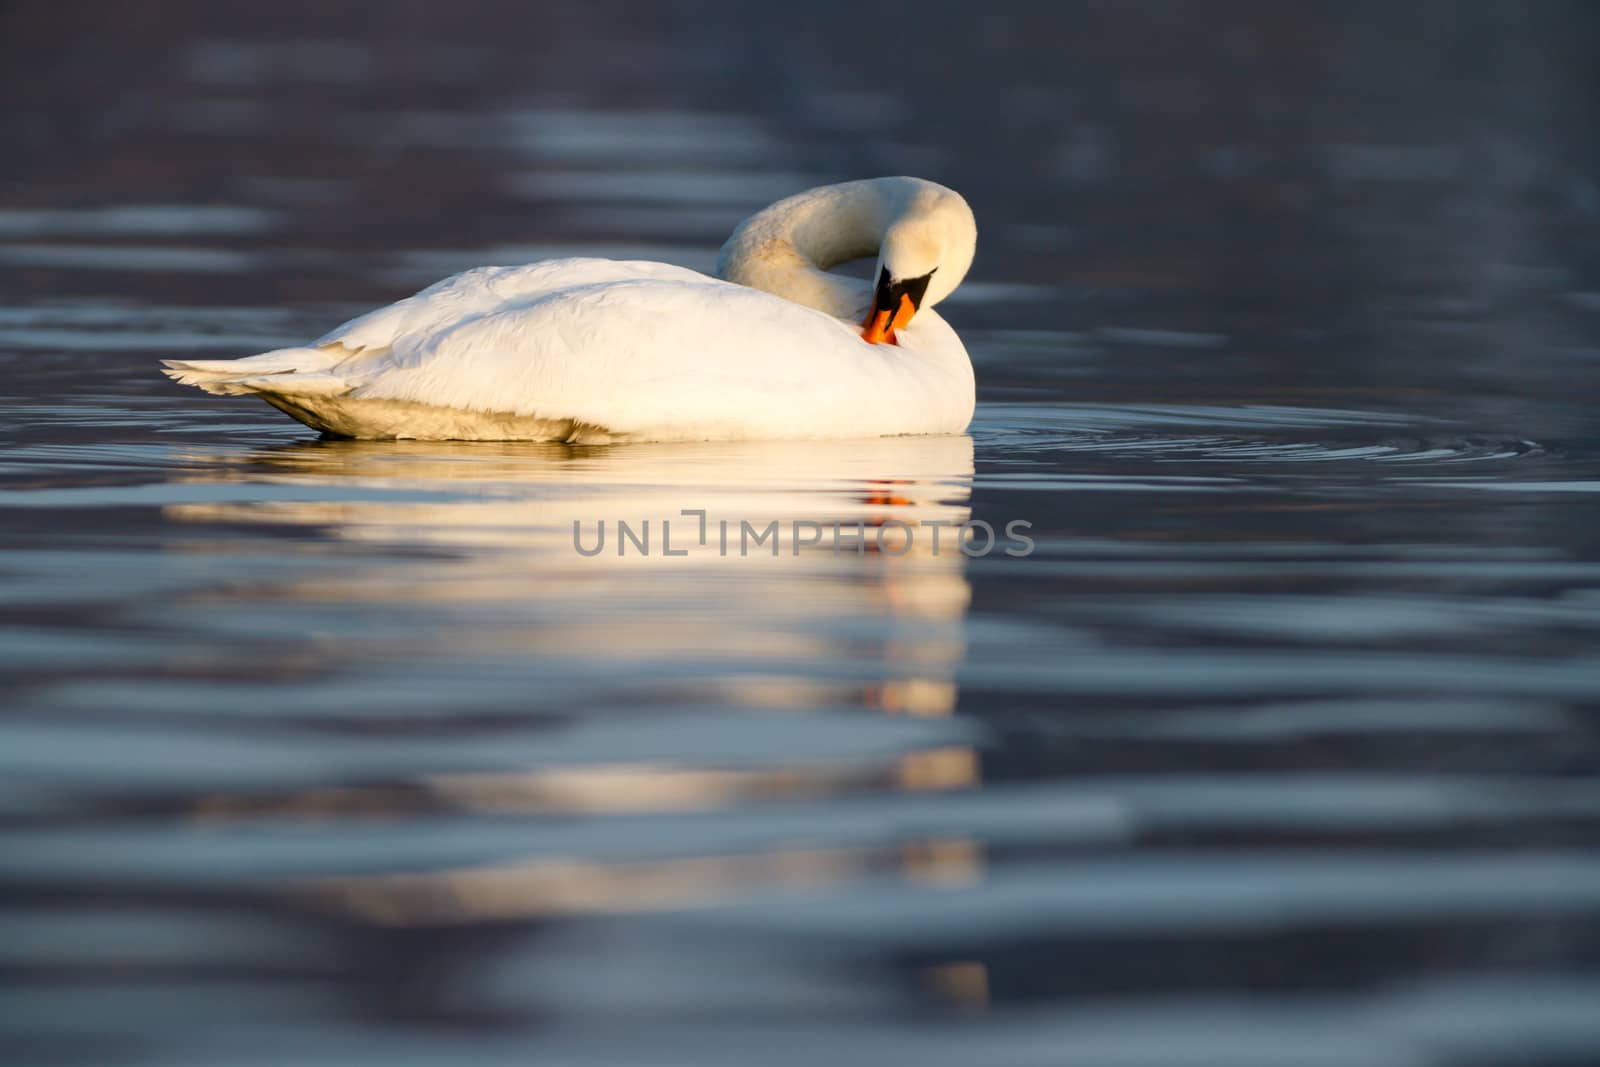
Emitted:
pixel 484 290
pixel 603 350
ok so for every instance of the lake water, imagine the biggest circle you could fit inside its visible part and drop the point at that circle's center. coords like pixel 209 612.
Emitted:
pixel 1279 746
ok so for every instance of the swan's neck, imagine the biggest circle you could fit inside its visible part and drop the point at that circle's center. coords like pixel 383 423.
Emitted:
pixel 788 248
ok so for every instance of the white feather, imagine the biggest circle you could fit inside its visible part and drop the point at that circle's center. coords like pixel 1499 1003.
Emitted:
pixel 592 349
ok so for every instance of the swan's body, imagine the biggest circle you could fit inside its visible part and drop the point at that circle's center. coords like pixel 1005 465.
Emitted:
pixel 597 350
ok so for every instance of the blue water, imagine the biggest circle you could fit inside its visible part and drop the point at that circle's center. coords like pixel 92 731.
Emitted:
pixel 1276 744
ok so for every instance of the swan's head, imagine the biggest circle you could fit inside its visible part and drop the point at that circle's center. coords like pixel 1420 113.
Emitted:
pixel 925 253
pixel 922 233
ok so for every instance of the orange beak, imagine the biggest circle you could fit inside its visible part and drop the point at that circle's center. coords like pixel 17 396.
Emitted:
pixel 881 324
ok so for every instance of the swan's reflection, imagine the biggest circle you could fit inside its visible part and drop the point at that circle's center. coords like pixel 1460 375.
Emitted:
pixel 482 536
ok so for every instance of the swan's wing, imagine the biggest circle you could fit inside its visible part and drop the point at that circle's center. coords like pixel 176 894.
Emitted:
pixel 481 291
pixel 363 348
pixel 651 351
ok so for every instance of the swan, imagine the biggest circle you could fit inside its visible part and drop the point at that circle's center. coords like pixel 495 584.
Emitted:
pixel 594 351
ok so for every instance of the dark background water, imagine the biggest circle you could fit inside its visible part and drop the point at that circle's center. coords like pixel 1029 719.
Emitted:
pixel 1281 748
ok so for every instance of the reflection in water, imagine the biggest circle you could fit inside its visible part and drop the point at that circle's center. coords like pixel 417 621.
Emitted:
pixel 498 526
pixel 528 496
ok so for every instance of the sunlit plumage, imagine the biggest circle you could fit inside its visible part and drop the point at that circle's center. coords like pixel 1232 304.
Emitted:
pixel 593 350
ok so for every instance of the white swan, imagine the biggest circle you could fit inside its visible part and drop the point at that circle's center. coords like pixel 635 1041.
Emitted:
pixel 595 350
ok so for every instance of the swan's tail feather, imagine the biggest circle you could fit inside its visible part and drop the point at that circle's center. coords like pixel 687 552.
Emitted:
pixel 287 370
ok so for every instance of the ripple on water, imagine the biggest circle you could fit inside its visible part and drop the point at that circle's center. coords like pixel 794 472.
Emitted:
pixel 1188 433
pixel 101 326
pixel 122 257
pixel 138 220
pixel 1278 749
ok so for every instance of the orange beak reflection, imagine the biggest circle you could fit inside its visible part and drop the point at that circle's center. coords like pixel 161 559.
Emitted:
pixel 881 324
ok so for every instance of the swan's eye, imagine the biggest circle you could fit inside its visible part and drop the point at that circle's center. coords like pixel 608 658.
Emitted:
pixel 889 291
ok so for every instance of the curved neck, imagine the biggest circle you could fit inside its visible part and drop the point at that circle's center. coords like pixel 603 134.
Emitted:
pixel 788 248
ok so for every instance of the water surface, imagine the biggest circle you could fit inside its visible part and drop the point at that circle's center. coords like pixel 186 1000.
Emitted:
pixel 1277 744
